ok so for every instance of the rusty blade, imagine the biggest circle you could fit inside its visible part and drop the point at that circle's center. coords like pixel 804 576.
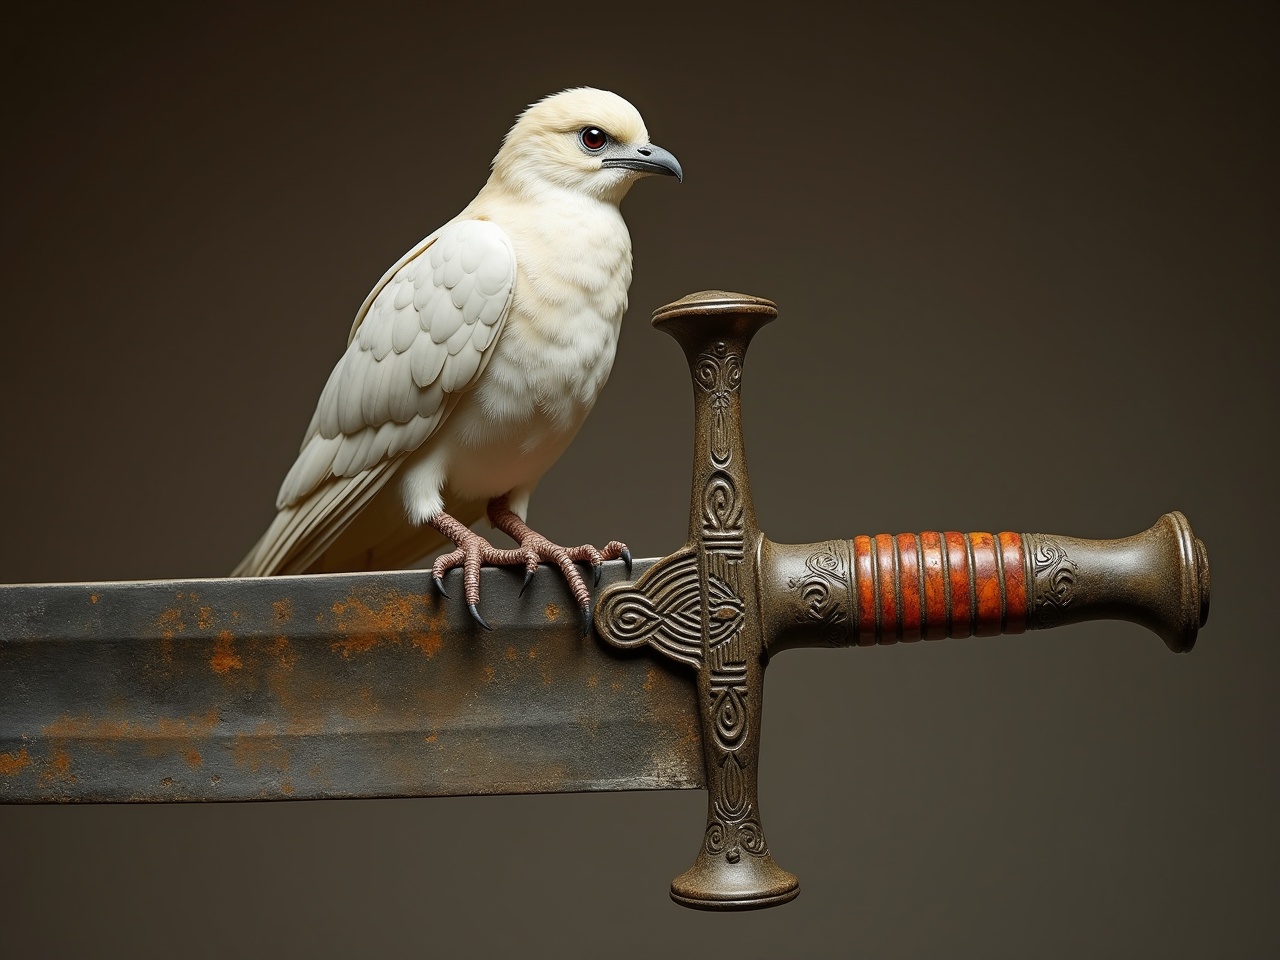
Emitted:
pixel 348 685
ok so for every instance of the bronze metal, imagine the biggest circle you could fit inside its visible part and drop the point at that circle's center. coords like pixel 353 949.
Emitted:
pixel 730 597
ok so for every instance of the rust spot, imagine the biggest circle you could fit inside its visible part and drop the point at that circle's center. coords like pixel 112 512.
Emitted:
pixel 283 653
pixel 430 738
pixel 205 618
pixel 592 681
pixel 224 656
pixel 359 644
pixel 488 674
pixel 193 758
pixel 170 622
pixel 216 778
pixel 616 686
pixel 511 653
pixel 533 653
pixel 58 768
pixel 282 610
pixel 286 787
pixel 552 612
pixel 93 598
pixel 370 618
pixel 650 680
pixel 428 643
pixel 167 782
pixel 13 763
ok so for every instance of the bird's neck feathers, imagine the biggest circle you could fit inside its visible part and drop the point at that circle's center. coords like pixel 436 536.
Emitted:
pixel 524 178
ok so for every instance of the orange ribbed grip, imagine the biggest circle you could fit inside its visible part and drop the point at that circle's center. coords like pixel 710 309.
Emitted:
pixel 927 586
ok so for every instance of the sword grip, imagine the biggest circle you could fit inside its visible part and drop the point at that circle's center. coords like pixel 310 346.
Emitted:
pixel 930 586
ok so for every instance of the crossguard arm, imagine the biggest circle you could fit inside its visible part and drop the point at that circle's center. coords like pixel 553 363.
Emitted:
pixel 929 586
pixel 730 597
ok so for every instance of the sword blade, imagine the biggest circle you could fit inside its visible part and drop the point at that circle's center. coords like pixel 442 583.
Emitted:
pixel 347 685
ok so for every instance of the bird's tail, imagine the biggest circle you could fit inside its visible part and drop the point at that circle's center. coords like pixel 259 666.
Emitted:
pixel 357 547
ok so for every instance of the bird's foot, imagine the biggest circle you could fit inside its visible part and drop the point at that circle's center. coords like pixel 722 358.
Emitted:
pixel 535 549
pixel 473 551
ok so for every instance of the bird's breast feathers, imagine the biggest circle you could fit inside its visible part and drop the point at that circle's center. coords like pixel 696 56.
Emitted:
pixel 573 269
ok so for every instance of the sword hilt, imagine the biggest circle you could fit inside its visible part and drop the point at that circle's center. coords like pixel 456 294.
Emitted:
pixel 730 597
pixel 931 586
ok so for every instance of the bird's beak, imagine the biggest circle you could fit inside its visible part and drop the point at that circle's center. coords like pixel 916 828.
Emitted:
pixel 649 158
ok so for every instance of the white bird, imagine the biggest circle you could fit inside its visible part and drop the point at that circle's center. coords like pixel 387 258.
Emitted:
pixel 473 363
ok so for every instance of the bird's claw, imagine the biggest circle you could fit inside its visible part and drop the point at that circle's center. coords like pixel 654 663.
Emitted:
pixel 475 615
pixel 473 551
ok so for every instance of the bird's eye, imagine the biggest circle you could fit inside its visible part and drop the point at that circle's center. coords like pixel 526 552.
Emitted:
pixel 593 138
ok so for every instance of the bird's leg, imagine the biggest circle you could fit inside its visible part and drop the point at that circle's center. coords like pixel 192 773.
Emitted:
pixel 534 548
pixel 473 550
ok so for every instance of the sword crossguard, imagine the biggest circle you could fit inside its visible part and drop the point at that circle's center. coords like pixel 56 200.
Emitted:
pixel 730 597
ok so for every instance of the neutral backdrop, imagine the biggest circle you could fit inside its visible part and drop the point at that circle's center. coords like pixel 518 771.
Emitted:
pixel 1026 261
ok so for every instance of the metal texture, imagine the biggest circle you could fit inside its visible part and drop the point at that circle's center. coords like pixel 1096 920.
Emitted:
pixel 352 685
pixel 730 597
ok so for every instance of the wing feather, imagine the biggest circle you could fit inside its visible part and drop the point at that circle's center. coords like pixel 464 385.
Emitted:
pixel 423 336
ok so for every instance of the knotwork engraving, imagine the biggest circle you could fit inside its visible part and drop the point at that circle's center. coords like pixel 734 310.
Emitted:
pixel 1055 579
pixel 663 609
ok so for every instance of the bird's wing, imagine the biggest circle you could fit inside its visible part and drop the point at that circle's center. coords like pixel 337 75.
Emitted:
pixel 422 337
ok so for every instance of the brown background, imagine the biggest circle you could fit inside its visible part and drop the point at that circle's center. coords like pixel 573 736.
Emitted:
pixel 1026 260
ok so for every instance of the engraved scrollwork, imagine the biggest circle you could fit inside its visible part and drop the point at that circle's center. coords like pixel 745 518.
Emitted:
pixel 751 836
pixel 721 505
pixel 822 588
pixel 733 829
pixel 733 825
pixel 1055 579
pixel 719 373
pixel 714 841
pixel 730 717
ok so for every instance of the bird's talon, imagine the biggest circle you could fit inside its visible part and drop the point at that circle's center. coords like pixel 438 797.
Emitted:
pixel 586 619
pixel 597 569
pixel 626 558
pixel 440 585
pixel 475 615
pixel 528 579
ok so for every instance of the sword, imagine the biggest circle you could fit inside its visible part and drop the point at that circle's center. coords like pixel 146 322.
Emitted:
pixel 370 685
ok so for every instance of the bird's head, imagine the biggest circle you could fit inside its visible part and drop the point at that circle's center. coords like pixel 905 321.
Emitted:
pixel 587 140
